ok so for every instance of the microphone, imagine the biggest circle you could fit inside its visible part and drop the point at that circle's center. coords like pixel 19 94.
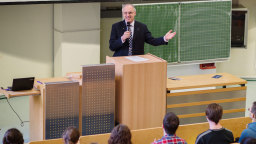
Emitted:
pixel 128 26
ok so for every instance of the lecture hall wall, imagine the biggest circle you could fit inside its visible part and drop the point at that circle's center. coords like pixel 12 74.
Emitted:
pixel 27 49
pixel 44 40
pixel 242 61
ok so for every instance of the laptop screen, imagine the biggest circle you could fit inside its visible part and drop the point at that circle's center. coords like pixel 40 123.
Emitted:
pixel 23 83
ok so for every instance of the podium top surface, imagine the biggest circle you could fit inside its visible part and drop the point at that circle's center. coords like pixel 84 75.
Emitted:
pixel 204 80
pixel 39 83
pixel 137 59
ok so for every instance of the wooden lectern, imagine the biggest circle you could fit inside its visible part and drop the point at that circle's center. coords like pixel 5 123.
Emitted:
pixel 140 90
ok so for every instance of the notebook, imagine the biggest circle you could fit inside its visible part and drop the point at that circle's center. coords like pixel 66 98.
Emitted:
pixel 22 84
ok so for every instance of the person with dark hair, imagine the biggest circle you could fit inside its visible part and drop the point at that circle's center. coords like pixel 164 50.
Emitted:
pixel 170 125
pixel 71 135
pixel 13 136
pixel 121 134
pixel 248 140
pixel 216 134
pixel 251 127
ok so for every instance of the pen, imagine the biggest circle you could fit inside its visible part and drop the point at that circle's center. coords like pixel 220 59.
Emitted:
pixel 39 82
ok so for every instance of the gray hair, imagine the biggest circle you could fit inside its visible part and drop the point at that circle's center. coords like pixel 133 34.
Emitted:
pixel 124 5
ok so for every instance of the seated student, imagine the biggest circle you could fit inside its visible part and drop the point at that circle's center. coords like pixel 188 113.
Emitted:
pixel 248 140
pixel 170 124
pixel 121 134
pixel 216 134
pixel 71 135
pixel 13 136
pixel 251 127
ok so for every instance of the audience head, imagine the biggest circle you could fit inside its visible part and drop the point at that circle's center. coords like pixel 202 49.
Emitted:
pixel 214 112
pixel 248 140
pixel 13 136
pixel 252 110
pixel 71 135
pixel 121 134
pixel 171 123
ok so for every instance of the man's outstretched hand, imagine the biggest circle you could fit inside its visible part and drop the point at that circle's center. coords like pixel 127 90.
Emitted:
pixel 169 35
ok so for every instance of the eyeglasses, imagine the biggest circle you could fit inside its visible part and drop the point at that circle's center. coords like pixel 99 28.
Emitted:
pixel 127 13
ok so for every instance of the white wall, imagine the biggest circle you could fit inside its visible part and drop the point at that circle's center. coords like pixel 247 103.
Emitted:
pixel 243 61
pixel 26 49
pixel 188 69
pixel 105 30
pixel 76 36
pixel 26 42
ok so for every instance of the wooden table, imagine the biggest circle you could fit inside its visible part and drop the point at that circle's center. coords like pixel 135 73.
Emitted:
pixel 35 91
pixel 11 94
pixel 188 96
pixel 204 80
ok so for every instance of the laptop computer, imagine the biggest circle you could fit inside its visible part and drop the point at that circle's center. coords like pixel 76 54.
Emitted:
pixel 19 84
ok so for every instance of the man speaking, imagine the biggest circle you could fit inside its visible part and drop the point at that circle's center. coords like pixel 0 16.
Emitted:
pixel 128 36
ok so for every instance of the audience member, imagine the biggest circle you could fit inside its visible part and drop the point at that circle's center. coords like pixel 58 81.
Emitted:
pixel 13 136
pixel 121 134
pixel 248 140
pixel 216 134
pixel 71 135
pixel 170 125
pixel 251 127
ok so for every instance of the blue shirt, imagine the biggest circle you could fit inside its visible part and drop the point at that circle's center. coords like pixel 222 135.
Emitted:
pixel 249 132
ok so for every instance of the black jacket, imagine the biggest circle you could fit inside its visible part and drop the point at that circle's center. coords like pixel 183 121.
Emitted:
pixel 140 36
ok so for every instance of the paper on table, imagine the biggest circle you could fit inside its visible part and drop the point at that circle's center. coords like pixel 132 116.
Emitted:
pixel 136 58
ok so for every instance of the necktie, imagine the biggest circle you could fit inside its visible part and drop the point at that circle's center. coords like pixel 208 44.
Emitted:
pixel 130 41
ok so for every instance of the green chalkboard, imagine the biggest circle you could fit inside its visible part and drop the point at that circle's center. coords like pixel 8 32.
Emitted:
pixel 203 29
pixel 160 18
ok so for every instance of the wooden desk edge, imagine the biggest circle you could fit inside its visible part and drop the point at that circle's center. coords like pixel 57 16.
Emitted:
pixel 237 81
pixel 209 85
pixel 10 94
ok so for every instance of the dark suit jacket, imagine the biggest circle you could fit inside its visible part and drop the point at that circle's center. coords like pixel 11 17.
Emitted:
pixel 141 35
